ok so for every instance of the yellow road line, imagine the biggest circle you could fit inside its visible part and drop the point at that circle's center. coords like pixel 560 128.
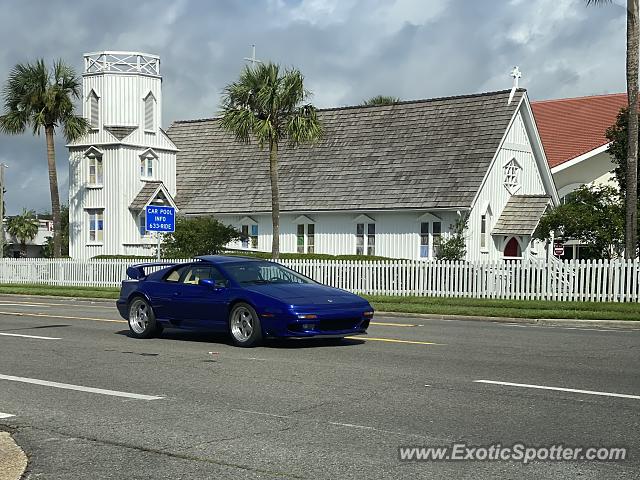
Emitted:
pixel 391 324
pixel 393 340
pixel 47 315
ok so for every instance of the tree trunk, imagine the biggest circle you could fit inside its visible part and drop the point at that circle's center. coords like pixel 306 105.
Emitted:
pixel 275 199
pixel 53 187
pixel 631 195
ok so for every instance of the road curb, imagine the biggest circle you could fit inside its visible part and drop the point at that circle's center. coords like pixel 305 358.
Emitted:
pixel 13 461
pixel 558 322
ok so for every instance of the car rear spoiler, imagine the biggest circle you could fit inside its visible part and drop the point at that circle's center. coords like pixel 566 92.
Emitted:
pixel 137 271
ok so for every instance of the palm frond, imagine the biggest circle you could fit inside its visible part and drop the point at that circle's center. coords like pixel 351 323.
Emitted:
pixel 13 122
pixel 74 127
pixel 265 103
pixel 304 126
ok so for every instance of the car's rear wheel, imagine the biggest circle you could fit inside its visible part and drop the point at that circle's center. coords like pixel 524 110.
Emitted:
pixel 142 320
pixel 244 325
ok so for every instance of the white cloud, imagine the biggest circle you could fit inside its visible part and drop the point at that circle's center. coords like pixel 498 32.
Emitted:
pixel 348 51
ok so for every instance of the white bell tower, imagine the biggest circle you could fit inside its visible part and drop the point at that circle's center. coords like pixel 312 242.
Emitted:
pixel 125 162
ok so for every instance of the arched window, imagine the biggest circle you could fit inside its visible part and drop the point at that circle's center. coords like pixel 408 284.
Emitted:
pixel 150 113
pixel 485 229
pixel 148 164
pixel 94 110
pixel 95 169
pixel 512 174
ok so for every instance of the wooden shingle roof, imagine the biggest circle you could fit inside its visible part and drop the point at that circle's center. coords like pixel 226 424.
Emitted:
pixel 426 154
pixel 144 195
pixel 521 215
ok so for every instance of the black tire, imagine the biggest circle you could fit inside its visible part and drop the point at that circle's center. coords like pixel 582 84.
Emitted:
pixel 142 320
pixel 244 326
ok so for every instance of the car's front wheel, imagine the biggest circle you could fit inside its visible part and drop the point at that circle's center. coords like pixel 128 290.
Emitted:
pixel 244 325
pixel 142 320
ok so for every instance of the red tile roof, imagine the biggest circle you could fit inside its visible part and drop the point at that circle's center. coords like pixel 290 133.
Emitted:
pixel 570 127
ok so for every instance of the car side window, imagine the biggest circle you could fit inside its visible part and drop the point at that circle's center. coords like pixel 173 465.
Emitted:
pixel 174 275
pixel 202 272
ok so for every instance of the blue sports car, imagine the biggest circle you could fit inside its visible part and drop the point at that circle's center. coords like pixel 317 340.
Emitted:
pixel 248 298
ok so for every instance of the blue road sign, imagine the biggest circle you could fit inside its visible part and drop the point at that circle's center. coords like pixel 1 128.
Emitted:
pixel 160 219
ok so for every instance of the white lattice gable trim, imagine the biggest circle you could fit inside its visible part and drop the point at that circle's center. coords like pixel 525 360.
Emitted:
pixel 93 93
pixel 161 193
pixel 248 221
pixel 303 219
pixel 512 171
pixel 364 219
pixel 92 152
pixel 149 152
pixel 429 217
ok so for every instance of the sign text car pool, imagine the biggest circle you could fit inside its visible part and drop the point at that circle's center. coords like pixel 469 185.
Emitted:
pixel 160 219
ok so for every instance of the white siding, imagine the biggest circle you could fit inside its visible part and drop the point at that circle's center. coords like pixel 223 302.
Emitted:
pixel 493 193
pixel 397 233
pixel 121 104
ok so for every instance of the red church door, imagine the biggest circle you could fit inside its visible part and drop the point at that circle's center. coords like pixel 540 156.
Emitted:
pixel 512 248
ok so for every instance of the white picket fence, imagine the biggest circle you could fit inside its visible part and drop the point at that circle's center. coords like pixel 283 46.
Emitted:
pixel 602 280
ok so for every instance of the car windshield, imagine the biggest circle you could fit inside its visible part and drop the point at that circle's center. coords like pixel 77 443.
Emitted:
pixel 262 273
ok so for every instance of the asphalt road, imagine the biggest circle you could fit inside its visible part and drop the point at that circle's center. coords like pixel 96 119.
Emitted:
pixel 308 409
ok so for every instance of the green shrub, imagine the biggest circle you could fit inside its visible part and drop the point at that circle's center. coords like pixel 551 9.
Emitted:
pixel 198 236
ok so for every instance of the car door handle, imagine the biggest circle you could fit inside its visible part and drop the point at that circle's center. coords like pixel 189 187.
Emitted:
pixel 176 294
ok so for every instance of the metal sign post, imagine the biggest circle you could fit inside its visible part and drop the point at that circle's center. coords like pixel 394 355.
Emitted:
pixel 160 219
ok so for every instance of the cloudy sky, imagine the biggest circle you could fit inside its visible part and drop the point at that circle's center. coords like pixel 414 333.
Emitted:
pixel 348 50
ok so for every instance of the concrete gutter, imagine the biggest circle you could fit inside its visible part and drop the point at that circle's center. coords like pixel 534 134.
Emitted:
pixel 13 461
pixel 556 322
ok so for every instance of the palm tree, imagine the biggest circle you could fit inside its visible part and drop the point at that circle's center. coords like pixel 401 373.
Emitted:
pixel 380 100
pixel 23 227
pixel 268 104
pixel 39 98
pixel 631 194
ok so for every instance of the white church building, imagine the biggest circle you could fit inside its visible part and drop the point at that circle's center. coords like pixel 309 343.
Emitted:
pixel 384 180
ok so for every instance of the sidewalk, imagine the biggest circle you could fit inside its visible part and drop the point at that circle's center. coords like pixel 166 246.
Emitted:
pixel 13 461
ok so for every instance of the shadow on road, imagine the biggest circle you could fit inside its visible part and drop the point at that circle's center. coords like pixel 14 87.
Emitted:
pixel 220 338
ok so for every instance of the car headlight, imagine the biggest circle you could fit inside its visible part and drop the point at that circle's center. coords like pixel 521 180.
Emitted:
pixel 368 314
pixel 307 316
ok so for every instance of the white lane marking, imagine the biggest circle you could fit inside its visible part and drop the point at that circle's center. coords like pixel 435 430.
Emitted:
pixel 260 413
pixel 29 336
pixel 6 415
pixel 80 388
pixel 351 425
pixel 559 389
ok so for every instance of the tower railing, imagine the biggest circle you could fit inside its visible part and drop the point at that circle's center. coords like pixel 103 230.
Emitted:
pixel 121 62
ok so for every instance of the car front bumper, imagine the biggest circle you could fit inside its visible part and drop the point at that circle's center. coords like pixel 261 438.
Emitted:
pixel 326 324
pixel 122 307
